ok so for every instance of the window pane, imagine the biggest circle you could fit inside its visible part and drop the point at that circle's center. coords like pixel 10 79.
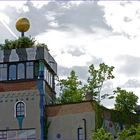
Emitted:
pixel 3 135
pixel 22 134
pixel 12 135
pixel 80 134
pixel 29 70
pixel 36 70
pixel 20 109
pixel 51 80
pixel 3 72
pixel 12 72
pixel 21 71
pixel 31 134
pixel 45 73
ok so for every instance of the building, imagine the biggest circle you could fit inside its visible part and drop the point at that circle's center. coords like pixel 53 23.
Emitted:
pixel 77 121
pixel 26 85
pixel 27 93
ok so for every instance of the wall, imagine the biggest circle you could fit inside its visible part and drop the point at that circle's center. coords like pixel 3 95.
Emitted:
pixel 66 119
pixel 7 109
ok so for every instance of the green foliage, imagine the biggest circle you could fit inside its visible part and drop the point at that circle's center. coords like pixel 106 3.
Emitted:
pixel 97 78
pixel 125 101
pixel 98 115
pixel 132 133
pixel 70 88
pixel 100 134
pixel 116 116
pixel 41 45
pixel 21 42
pixel 122 117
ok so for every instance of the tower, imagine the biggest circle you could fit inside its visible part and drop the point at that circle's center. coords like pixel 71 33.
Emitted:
pixel 26 85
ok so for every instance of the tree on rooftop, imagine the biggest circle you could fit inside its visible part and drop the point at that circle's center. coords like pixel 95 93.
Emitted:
pixel 21 42
pixel 70 89
pixel 97 78
pixel 125 101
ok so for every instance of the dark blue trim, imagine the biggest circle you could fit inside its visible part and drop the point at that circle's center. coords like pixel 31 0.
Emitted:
pixel 41 91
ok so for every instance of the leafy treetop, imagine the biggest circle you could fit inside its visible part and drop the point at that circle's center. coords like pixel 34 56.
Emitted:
pixel 70 88
pixel 97 78
pixel 125 101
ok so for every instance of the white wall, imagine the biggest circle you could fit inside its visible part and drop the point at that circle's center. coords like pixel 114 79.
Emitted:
pixel 67 126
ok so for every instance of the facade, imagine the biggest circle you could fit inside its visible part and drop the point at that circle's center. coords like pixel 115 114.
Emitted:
pixel 27 90
pixel 74 121
pixel 26 85
pixel 77 121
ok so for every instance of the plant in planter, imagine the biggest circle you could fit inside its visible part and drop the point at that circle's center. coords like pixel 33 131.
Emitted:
pixel 42 45
pixel 21 42
pixel 26 42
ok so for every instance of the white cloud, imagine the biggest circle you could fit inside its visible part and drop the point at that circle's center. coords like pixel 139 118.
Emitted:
pixel 123 18
pixel 14 4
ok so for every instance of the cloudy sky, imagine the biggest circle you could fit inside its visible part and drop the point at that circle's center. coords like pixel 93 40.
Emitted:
pixel 81 33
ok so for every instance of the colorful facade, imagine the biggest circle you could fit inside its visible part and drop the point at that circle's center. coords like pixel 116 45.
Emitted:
pixel 26 86
pixel 27 90
pixel 77 121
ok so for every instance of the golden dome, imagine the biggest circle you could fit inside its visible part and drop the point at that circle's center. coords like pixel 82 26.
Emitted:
pixel 22 24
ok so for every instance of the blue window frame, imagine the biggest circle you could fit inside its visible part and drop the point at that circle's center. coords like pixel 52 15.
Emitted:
pixel 29 70
pixel 80 133
pixel 3 72
pixel 21 70
pixel 12 72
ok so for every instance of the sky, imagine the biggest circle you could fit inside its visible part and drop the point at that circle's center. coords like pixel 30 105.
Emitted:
pixel 81 33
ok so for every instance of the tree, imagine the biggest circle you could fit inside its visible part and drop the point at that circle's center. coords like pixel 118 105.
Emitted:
pixel 97 79
pixel 71 89
pixel 100 134
pixel 125 101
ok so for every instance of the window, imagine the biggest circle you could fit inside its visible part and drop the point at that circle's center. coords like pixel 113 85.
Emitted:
pixel 29 70
pixel 20 109
pixel 3 135
pixel 18 134
pixel 21 71
pixel 12 72
pixel 36 70
pixel 51 79
pixel 3 72
pixel 80 134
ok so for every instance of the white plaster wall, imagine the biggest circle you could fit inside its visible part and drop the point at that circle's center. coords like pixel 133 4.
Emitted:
pixel 7 114
pixel 67 126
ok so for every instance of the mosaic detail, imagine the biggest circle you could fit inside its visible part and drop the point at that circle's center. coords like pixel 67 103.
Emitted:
pixel 31 53
pixel 13 56
pixel 27 54
pixel 18 96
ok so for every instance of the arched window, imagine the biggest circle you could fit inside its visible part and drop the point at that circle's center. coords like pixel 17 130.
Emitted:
pixel 20 109
pixel 21 71
pixel 12 72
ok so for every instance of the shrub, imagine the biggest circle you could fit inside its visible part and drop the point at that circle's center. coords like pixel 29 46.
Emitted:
pixel 100 134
